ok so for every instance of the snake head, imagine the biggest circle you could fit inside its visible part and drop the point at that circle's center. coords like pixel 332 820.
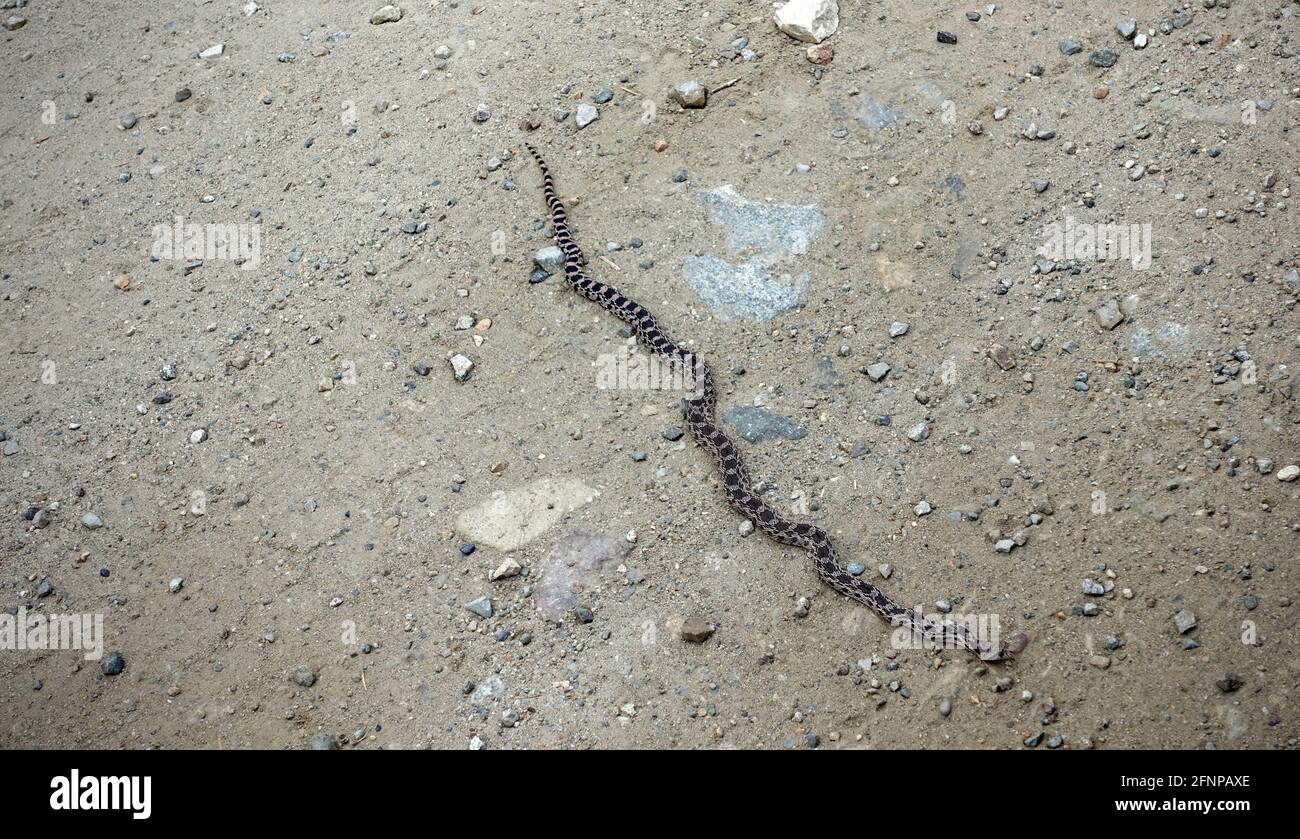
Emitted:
pixel 1009 647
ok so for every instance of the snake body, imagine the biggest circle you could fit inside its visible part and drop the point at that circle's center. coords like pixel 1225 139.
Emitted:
pixel 700 419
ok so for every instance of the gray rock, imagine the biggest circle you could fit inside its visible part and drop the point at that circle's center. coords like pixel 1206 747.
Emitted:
pixel 1103 58
pixel 480 606
pixel 91 521
pixel 1069 46
pixel 758 425
pixel 303 675
pixel 112 664
pixel 918 432
pixel 878 371
pixel 1127 28
pixel 746 290
pixel 550 260
pixel 586 115
pixel 461 367
pixel 765 235
pixel 1185 620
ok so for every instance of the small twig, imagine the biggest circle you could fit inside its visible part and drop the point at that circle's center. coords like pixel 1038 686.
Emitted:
pixel 629 90
pixel 725 85
pixel 610 263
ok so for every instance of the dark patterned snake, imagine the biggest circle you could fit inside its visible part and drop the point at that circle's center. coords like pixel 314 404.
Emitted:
pixel 935 634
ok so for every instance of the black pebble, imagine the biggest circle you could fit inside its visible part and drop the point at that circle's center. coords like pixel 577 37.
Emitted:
pixel 112 664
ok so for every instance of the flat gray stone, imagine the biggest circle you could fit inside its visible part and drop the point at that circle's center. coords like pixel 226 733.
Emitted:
pixel 586 115
pixel 511 519
pixel 550 260
pixel 746 291
pixel 773 229
pixel 765 235
pixel 759 425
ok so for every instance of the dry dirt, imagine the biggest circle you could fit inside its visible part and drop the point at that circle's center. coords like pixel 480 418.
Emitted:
pixel 316 526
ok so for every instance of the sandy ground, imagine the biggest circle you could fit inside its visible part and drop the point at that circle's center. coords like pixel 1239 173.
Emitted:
pixel 286 474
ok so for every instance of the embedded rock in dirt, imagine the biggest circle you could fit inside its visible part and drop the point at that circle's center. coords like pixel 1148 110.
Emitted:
pixel 511 519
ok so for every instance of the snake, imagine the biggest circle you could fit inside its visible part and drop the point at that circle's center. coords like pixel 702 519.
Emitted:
pixel 935 633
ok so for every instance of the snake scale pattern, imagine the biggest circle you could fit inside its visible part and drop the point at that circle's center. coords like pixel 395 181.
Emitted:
pixel 700 419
